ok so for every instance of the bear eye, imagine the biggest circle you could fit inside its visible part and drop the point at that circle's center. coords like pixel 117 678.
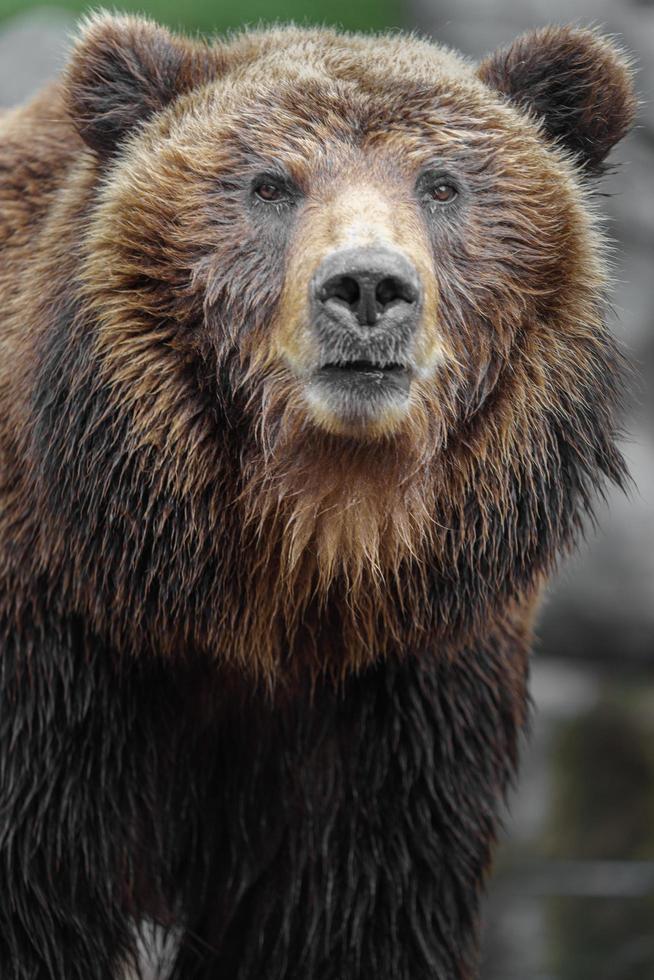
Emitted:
pixel 268 191
pixel 437 187
pixel 443 193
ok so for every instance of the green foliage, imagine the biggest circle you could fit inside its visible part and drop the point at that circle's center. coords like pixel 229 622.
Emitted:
pixel 211 16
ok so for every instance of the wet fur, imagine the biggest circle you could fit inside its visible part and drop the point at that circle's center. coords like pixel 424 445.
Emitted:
pixel 266 679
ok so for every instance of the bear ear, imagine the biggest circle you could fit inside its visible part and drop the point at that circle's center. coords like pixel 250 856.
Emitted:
pixel 123 70
pixel 577 82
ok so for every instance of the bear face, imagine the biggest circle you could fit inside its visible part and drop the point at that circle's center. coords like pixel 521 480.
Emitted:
pixel 364 274
pixel 480 221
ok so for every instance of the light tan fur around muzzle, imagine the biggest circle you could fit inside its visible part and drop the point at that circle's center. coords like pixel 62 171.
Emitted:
pixel 357 214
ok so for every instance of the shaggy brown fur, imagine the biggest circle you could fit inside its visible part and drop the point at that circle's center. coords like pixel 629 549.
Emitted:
pixel 167 482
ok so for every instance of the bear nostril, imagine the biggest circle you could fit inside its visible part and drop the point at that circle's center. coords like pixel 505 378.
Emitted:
pixel 344 288
pixel 390 289
pixel 367 295
pixel 370 287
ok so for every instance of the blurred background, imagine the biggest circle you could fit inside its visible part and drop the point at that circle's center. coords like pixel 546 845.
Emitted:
pixel 573 893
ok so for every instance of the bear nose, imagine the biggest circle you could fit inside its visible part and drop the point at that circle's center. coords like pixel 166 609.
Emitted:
pixel 374 286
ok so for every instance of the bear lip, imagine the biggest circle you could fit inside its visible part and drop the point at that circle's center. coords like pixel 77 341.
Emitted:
pixel 364 366
pixel 364 380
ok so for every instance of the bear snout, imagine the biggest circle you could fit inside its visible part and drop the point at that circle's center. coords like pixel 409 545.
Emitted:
pixel 366 291
pixel 366 305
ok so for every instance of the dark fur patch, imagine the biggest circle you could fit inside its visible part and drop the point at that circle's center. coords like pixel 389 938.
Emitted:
pixel 123 71
pixel 575 81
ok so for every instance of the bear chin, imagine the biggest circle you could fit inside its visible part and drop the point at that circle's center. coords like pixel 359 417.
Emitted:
pixel 359 398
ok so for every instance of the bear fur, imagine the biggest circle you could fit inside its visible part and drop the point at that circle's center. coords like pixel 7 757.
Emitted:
pixel 264 638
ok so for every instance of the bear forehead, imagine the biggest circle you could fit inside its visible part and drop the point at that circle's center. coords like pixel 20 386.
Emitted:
pixel 314 73
pixel 325 53
pixel 286 84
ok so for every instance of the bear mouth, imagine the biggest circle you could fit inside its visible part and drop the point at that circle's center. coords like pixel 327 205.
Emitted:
pixel 366 372
pixel 360 392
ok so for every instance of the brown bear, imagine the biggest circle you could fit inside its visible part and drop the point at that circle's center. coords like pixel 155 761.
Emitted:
pixel 305 384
